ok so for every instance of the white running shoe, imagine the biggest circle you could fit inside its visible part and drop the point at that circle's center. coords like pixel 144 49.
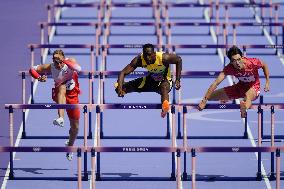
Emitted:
pixel 69 155
pixel 59 122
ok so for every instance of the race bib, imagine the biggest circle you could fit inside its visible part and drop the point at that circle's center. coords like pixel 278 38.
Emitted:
pixel 70 84
pixel 157 76
pixel 247 79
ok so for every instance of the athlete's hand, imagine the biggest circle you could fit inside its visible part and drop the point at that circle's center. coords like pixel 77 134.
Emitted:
pixel 177 84
pixel 120 92
pixel 267 87
pixel 202 105
pixel 42 78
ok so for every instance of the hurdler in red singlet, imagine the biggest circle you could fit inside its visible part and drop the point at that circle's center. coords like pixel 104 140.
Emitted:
pixel 66 90
pixel 248 87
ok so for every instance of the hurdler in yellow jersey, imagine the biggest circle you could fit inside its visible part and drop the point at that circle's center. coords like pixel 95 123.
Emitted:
pixel 159 78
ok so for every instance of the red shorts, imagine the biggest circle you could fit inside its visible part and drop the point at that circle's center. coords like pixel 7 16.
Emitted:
pixel 71 98
pixel 239 90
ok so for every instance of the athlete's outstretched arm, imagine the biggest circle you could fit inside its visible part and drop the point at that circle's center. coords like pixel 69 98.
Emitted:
pixel 38 72
pixel 174 59
pixel 266 74
pixel 72 64
pixel 210 90
pixel 127 70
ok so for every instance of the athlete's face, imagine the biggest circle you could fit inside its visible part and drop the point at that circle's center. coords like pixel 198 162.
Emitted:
pixel 237 61
pixel 58 61
pixel 149 55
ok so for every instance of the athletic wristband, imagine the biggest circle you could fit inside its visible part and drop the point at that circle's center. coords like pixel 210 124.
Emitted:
pixel 34 73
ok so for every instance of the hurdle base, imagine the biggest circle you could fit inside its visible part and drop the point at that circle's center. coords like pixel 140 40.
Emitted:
pixel 134 137
pixel 98 177
pixel 258 176
pixel 90 136
pixel 245 135
pixel 168 136
pixel 107 178
pixel 85 177
pixel 24 135
pixel 184 176
pixel 173 177
pixel 51 137
pixel 179 136
pixel 275 137
pixel 212 178
pixel 11 175
pixel 272 176
pixel 47 178
pixel 215 137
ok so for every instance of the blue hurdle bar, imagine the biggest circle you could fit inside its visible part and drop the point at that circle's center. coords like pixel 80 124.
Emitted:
pixel 259 107
pixel 96 25
pixel 47 106
pixel 234 150
pixel 82 74
pixel 145 149
pixel 133 106
pixel 38 149
pixel 52 9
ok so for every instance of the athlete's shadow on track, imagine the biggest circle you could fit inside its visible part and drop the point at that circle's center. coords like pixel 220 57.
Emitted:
pixel 123 175
pixel 213 178
pixel 34 170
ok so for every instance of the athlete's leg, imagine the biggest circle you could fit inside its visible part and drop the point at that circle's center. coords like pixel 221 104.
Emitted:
pixel 135 85
pixel 250 95
pixel 164 90
pixel 61 98
pixel 73 131
pixel 219 94
pixel 74 116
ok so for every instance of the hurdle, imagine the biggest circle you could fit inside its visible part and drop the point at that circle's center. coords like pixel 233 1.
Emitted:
pixel 272 113
pixel 170 25
pixel 96 25
pixel 245 48
pixel 133 106
pixel 144 149
pixel 211 5
pixel 11 108
pixel 204 75
pixel 44 25
pixel 154 4
pixel 93 62
pixel 225 26
pixel 41 149
pixel 52 9
pixel 269 6
pixel 82 74
pixel 158 29
pixel 258 107
pixel 236 149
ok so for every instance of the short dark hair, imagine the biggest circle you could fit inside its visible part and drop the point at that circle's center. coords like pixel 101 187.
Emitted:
pixel 58 51
pixel 233 51
pixel 148 45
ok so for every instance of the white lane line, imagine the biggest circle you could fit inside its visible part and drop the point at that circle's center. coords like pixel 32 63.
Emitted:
pixel 5 181
pixel 267 35
pixel 251 138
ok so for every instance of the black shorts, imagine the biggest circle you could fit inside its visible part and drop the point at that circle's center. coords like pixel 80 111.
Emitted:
pixel 144 84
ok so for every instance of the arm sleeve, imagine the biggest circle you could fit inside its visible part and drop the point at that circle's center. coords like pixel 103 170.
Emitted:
pixel 34 73
pixel 72 65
